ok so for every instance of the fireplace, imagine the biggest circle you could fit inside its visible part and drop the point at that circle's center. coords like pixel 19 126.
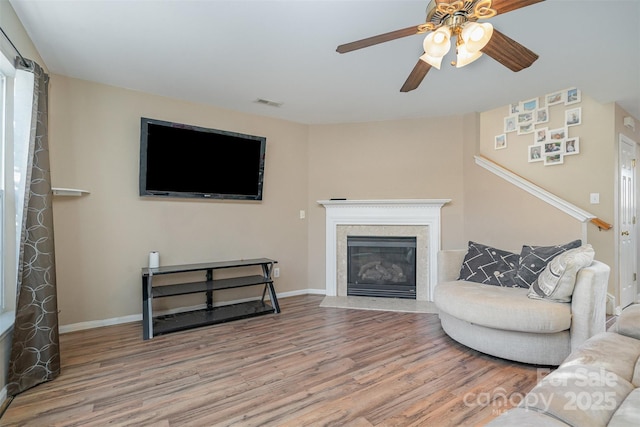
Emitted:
pixel 419 218
pixel 381 266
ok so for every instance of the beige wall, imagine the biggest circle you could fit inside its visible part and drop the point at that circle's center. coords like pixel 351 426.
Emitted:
pixel 500 214
pixel 403 159
pixel 581 174
pixel 620 114
pixel 431 158
pixel 103 239
pixel 591 171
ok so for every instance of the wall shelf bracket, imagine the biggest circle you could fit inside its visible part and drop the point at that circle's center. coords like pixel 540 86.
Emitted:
pixel 57 191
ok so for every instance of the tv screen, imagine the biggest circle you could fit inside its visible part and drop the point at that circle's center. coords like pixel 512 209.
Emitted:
pixel 178 160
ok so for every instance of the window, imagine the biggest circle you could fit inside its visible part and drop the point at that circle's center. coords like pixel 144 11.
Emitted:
pixel 16 97
pixel 3 124
pixel 8 259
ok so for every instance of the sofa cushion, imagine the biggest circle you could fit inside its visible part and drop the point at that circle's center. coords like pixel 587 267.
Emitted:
pixel 488 265
pixel 501 308
pixel 590 388
pixel 522 417
pixel 557 280
pixel 533 259
pixel 579 395
pixel 628 414
pixel 628 322
pixel 609 352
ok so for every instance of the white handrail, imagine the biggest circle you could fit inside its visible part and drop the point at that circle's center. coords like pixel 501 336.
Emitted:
pixel 566 207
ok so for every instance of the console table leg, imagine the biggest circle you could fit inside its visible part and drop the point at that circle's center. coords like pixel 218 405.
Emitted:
pixel 209 290
pixel 267 268
pixel 274 298
pixel 147 318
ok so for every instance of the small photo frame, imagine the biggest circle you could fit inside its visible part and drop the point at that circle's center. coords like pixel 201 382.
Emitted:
pixel 514 108
pixel 501 141
pixel 573 116
pixel 572 146
pixel 573 96
pixel 554 159
pixel 558 134
pixel 555 98
pixel 554 147
pixel 510 124
pixel 542 115
pixel 526 128
pixel 535 153
pixel 541 135
pixel 530 105
pixel 526 117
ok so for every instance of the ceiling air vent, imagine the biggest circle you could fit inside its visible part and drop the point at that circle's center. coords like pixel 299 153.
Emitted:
pixel 268 102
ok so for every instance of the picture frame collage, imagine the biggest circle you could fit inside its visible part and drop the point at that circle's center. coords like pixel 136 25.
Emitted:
pixel 528 117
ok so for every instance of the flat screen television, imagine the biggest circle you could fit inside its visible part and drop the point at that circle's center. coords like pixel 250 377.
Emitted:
pixel 179 160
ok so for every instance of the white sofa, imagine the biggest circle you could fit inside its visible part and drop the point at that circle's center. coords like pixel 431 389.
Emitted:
pixel 597 385
pixel 504 322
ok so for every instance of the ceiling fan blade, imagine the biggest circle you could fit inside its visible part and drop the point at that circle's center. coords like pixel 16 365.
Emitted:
pixel 504 6
pixel 417 75
pixel 380 38
pixel 509 52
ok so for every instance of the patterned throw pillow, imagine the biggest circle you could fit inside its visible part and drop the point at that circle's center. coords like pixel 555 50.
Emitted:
pixel 491 266
pixel 533 259
pixel 557 280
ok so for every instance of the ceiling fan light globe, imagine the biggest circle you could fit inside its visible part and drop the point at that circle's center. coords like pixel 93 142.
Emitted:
pixel 464 57
pixel 434 61
pixel 438 38
pixel 476 36
pixel 438 43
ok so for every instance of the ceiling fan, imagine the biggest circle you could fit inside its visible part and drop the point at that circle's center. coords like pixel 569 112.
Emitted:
pixel 458 18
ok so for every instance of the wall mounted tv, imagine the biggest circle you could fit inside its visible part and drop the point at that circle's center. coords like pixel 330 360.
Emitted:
pixel 178 160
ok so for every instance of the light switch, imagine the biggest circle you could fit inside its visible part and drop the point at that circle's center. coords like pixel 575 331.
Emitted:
pixel 302 214
pixel 594 198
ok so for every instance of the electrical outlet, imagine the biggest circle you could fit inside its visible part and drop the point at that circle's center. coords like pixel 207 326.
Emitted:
pixel 276 272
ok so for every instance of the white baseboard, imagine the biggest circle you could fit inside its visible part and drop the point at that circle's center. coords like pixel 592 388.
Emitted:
pixel 303 292
pixel 138 317
pixel 99 323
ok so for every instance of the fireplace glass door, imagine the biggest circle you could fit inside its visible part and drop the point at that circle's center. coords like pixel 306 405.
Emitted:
pixel 381 266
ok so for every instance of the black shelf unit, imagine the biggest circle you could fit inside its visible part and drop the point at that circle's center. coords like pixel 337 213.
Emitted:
pixel 157 325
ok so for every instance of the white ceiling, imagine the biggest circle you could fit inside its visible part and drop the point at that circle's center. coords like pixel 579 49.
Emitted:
pixel 229 53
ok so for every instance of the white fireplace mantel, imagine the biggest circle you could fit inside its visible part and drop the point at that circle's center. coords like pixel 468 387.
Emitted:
pixel 381 212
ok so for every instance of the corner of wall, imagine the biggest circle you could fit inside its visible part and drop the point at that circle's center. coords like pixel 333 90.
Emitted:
pixel 11 24
pixel 471 147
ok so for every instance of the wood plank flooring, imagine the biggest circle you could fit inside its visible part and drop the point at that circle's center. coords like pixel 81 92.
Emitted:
pixel 307 366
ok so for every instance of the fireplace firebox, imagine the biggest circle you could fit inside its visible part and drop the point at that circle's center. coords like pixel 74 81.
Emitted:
pixel 381 266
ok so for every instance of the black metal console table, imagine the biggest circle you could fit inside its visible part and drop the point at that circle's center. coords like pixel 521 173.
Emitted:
pixel 158 325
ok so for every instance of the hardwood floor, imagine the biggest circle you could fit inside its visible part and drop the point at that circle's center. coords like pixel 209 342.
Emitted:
pixel 307 366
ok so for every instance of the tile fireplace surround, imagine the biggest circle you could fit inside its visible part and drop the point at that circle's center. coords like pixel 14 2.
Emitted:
pixel 396 217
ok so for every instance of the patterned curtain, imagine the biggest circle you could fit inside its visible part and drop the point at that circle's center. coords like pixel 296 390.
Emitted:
pixel 35 351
